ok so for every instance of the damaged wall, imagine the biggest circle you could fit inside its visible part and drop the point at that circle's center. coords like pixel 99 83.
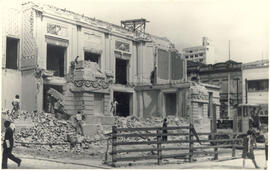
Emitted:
pixel 11 80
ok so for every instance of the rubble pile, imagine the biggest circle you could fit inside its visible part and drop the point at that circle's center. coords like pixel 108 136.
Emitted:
pixel 134 122
pixel 46 129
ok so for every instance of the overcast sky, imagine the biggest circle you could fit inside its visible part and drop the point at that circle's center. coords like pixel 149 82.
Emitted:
pixel 185 22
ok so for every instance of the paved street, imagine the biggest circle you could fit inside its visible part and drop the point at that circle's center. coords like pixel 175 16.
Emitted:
pixel 30 163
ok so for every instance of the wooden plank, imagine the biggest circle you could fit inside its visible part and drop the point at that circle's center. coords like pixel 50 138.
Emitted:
pixel 219 133
pixel 136 158
pixel 176 155
pixel 152 128
pixel 212 146
pixel 150 134
pixel 136 150
pixel 151 149
pixel 136 143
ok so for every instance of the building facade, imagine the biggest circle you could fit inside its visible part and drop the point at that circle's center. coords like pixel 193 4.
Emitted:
pixel 226 75
pixel 256 85
pixel 203 53
pixel 91 63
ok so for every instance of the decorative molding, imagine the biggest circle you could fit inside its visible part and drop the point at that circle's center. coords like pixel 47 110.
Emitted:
pixel 57 29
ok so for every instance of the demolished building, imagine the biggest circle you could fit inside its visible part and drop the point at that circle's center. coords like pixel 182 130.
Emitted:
pixel 92 63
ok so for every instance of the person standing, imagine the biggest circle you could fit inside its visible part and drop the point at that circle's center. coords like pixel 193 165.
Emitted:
pixel 248 142
pixel 164 131
pixel 79 121
pixel 114 104
pixel 8 146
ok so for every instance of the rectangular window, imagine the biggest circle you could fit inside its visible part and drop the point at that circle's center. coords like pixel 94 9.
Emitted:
pixel 93 57
pixel 12 52
pixel 258 85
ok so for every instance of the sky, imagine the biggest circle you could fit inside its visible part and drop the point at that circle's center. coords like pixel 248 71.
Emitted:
pixel 184 22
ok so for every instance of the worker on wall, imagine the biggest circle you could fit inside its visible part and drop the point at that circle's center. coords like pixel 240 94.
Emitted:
pixel 15 107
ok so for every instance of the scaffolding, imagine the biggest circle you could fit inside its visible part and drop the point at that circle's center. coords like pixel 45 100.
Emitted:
pixel 135 24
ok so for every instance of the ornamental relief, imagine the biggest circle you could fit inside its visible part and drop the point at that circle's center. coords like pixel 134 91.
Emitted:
pixel 57 29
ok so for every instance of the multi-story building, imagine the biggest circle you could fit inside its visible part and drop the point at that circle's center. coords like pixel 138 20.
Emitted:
pixel 41 43
pixel 203 53
pixel 227 75
pixel 256 85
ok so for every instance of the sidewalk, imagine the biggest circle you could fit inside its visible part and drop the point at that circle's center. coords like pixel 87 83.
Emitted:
pixel 97 164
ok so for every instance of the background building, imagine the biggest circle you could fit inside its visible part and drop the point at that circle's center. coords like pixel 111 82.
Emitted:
pixel 226 75
pixel 203 53
pixel 256 85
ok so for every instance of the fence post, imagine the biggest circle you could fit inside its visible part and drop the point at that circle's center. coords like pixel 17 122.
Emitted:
pixel 159 152
pixel 190 143
pixel 233 146
pixel 114 139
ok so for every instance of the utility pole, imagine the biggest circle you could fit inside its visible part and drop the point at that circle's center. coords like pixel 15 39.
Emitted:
pixel 229 77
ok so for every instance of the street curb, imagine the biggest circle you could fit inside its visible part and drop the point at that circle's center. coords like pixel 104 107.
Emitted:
pixel 73 163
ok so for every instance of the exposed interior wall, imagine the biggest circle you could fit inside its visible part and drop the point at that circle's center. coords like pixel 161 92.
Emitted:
pixel 163 65
pixel 147 103
pixel 30 90
pixel 11 85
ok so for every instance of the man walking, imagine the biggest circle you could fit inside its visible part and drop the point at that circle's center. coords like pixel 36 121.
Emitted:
pixel 8 146
pixel 248 152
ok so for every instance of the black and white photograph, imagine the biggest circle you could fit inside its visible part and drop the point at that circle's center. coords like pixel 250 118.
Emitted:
pixel 134 84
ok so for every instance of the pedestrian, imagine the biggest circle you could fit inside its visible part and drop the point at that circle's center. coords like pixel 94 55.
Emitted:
pixel 248 142
pixel 79 121
pixel 8 146
pixel 164 131
pixel 265 133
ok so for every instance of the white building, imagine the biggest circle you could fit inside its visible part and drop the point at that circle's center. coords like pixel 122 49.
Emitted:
pixel 256 84
pixel 203 53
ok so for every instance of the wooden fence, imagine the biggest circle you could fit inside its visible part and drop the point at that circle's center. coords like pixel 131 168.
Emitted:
pixel 153 136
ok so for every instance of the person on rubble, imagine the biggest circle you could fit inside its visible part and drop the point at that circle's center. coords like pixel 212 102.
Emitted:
pixel 114 103
pixel 79 121
pixel 164 131
pixel 248 142
pixel 15 106
pixel 8 146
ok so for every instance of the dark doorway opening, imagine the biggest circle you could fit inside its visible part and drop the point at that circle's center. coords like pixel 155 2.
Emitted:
pixel 56 59
pixel 123 106
pixel 93 57
pixel 12 49
pixel 48 101
pixel 121 71
pixel 170 104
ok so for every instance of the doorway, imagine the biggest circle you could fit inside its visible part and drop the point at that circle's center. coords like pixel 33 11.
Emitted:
pixel 121 71
pixel 124 103
pixel 56 59
pixel 170 104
